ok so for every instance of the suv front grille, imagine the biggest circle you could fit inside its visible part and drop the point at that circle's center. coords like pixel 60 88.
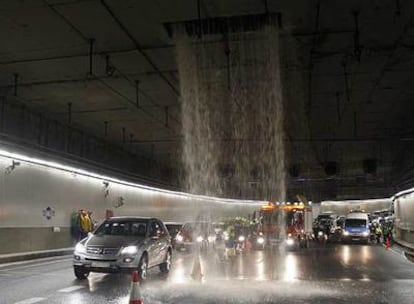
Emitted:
pixel 101 250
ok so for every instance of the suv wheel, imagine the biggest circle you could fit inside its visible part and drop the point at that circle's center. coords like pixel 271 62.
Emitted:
pixel 166 266
pixel 80 273
pixel 143 267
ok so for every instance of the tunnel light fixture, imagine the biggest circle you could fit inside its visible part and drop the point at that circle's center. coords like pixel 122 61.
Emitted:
pixel 17 158
pixel 13 166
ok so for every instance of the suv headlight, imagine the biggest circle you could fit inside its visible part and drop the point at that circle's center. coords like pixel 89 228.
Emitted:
pixel 129 250
pixel 365 233
pixel 80 248
pixel 346 233
pixel 199 239
pixel 241 238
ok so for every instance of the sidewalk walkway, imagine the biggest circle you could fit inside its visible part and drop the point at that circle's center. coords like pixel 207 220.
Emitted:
pixel 22 256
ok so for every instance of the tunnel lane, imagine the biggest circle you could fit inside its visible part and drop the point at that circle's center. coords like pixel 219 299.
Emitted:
pixel 336 273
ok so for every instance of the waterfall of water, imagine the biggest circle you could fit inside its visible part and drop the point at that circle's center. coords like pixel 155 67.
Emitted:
pixel 233 114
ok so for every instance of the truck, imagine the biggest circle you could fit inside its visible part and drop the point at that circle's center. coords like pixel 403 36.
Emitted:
pixel 285 223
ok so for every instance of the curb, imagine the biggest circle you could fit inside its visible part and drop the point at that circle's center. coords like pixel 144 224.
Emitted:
pixel 408 251
pixel 409 256
pixel 23 256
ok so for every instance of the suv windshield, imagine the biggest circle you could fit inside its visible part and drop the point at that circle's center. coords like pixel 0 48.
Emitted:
pixel 125 228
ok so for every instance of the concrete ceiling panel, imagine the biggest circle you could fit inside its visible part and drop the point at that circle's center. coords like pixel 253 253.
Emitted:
pixel 47 46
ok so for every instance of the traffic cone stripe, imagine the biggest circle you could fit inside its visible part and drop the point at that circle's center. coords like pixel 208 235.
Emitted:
pixel 135 295
pixel 135 276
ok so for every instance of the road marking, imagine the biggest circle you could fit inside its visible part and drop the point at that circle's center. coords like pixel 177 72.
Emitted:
pixel 21 266
pixel 31 301
pixel 70 289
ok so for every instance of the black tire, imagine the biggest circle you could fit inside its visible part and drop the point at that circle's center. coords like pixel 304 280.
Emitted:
pixel 80 273
pixel 166 266
pixel 143 267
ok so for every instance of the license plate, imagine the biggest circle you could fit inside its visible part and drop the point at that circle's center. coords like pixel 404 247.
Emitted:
pixel 100 264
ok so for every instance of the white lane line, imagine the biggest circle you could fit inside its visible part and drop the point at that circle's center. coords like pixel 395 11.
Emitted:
pixel 31 301
pixel 34 265
pixel 70 289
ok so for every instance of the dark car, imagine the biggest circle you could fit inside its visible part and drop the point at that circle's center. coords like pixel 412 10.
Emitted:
pixel 173 229
pixel 124 244
pixel 193 233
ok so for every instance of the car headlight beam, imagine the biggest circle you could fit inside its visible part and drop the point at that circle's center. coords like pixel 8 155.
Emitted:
pixel 290 242
pixel 80 248
pixel 129 250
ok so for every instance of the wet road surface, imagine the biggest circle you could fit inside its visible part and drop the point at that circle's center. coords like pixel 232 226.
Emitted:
pixel 332 274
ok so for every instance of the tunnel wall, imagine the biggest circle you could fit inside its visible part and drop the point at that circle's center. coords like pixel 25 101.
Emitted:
pixel 404 216
pixel 37 200
pixel 344 207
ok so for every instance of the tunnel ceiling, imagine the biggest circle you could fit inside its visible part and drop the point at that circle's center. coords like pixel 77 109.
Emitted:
pixel 354 59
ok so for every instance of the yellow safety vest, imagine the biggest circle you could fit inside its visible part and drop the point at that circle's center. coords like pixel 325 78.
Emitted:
pixel 85 223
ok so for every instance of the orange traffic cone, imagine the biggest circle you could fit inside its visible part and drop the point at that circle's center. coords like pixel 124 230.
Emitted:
pixel 387 243
pixel 135 294
pixel 196 273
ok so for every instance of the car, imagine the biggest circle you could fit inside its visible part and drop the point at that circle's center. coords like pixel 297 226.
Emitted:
pixel 124 244
pixel 173 228
pixel 192 233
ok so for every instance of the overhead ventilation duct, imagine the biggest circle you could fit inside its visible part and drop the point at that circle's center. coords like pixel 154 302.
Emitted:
pixel 369 165
pixel 331 168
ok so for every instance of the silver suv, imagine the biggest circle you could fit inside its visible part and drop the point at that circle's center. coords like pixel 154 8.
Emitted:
pixel 124 244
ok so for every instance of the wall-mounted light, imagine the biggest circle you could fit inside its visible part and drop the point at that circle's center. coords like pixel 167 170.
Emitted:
pixel 120 202
pixel 13 166
pixel 105 188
